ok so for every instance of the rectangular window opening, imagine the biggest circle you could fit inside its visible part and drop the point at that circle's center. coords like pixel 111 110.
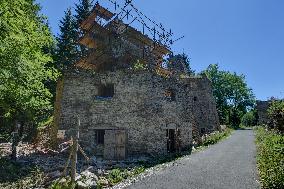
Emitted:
pixel 100 136
pixel 105 91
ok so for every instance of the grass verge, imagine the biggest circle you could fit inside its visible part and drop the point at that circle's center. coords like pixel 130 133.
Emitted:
pixel 270 158
pixel 216 137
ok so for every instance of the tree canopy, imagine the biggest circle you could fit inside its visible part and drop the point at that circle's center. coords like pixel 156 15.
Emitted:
pixel 24 35
pixel 67 49
pixel 180 63
pixel 233 96
pixel 83 10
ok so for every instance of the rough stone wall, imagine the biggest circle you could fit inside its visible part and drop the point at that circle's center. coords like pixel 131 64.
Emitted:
pixel 139 106
pixel 262 107
pixel 203 104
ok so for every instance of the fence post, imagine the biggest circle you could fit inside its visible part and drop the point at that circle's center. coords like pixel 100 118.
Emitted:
pixel 15 141
pixel 74 153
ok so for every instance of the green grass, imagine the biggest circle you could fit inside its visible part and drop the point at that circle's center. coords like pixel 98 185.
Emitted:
pixel 117 175
pixel 215 137
pixel 270 158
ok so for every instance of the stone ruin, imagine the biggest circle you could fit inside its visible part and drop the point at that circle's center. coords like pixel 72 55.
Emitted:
pixel 262 114
pixel 127 102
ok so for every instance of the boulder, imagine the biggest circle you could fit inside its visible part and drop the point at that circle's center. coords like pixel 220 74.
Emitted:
pixel 87 184
pixel 86 179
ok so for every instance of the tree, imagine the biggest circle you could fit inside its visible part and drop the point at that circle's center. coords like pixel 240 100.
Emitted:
pixel 67 51
pixel 83 10
pixel 180 63
pixel 24 36
pixel 249 119
pixel 232 95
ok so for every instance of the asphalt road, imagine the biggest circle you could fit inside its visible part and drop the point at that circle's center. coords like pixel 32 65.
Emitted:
pixel 230 164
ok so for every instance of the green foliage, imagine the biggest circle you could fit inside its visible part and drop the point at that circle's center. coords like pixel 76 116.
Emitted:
pixel 270 158
pixel 68 51
pixel 83 10
pixel 140 65
pixel 46 122
pixel 233 96
pixel 249 119
pixel 67 48
pixel 180 63
pixel 215 137
pixel 116 176
pixel 24 37
pixel 62 185
pixel 15 175
pixel 138 170
pixel 276 115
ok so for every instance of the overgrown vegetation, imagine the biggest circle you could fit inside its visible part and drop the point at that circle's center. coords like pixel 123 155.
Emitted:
pixel 180 63
pixel 276 115
pixel 15 175
pixel 249 119
pixel 232 95
pixel 215 137
pixel 117 175
pixel 270 158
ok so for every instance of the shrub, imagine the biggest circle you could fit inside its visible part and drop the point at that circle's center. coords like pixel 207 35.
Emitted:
pixel 140 65
pixel 138 170
pixel 270 158
pixel 115 176
pixel 249 119
pixel 215 137
pixel 276 115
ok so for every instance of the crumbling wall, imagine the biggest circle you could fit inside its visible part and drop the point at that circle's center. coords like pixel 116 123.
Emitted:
pixel 262 107
pixel 139 105
pixel 203 105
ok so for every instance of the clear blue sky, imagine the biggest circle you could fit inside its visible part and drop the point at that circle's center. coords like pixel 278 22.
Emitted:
pixel 244 36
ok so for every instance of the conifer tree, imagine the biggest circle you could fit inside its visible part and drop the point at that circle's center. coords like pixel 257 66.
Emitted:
pixel 83 10
pixel 67 50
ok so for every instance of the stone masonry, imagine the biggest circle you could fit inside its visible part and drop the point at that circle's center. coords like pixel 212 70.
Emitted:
pixel 140 107
pixel 262 107
pixel 127 102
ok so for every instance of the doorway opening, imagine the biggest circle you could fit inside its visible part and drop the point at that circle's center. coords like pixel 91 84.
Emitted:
pixel 171 147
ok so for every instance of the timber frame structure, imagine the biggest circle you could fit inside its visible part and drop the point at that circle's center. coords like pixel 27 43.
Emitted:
pixel 127 102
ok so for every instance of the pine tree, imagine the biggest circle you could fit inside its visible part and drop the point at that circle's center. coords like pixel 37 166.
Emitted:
pixel 67 50
pixel 83 10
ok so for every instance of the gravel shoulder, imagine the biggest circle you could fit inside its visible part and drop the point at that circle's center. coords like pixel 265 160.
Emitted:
pixel 228 164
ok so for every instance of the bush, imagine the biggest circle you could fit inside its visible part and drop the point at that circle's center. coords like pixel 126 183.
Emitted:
pixel 115 176
pixel 276 115
pixel 215 137
pixel 249 119
pixel 270 158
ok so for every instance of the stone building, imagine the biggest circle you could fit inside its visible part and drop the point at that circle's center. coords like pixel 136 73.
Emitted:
pixel 128 104
pixel 262 115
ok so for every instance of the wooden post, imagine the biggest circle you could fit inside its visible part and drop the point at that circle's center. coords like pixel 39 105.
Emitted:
pixel 74 152
pixel 15 141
